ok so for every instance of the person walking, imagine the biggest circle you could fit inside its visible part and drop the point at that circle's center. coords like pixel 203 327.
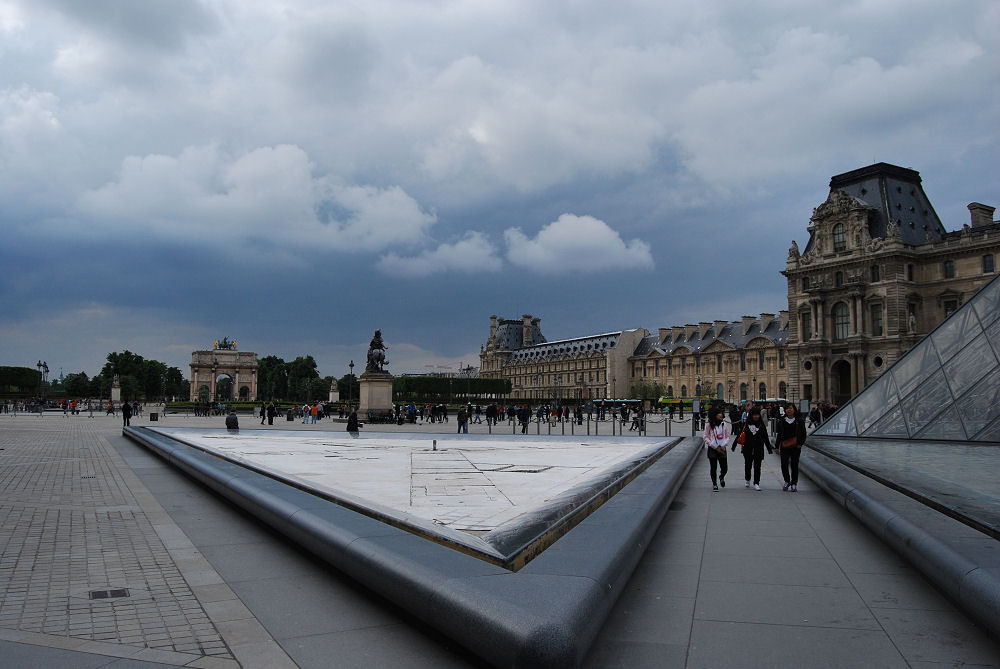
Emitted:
pixel 126 413
pixel 755 440
pixel 716 440
pixel 463 421
pixel 790 436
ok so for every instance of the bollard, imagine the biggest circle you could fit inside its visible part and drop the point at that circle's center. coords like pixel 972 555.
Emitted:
pixel 435 444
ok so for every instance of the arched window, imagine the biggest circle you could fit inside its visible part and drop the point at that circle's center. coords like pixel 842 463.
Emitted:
pixel 670 391
pixel 841 321
pixel 684 391
pixel 697 390
pixel 720 392
pixel 839 238
pixel 763 390
pixel 743 392
pixel 782 389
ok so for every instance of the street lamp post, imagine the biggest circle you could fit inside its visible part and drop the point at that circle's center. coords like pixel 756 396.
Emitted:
pixel 350 386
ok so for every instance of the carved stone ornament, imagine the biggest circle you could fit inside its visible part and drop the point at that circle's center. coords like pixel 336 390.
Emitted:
pixel 892 232
pixel 793 251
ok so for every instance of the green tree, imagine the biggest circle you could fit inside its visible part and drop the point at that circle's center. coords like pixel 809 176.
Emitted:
pixel 77 385
pixel 175 384
pixel 272 378
pixel 349 388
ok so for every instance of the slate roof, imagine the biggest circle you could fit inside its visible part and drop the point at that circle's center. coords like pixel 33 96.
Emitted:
pixel 894 193
pixel 563 347
pixel 730 334
pixel 508 336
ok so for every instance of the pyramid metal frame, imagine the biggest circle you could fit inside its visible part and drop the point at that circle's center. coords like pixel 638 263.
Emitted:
pixel 947 387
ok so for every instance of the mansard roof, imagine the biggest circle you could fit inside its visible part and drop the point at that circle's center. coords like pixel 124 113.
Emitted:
pixel 567 347
pixel 895 194
pixel 509 335
pixel 729 334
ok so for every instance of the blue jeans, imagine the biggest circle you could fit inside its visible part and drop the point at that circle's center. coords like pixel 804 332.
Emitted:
pixel 463 427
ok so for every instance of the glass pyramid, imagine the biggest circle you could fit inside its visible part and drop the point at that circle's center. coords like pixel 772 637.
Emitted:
pixel 945 387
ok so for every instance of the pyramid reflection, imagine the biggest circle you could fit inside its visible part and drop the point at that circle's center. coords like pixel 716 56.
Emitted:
pixel 947 387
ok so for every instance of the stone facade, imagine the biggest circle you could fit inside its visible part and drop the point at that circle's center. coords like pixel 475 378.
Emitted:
pixel 240 366
pixel 731 361
pixel 570 370
pixel 878 273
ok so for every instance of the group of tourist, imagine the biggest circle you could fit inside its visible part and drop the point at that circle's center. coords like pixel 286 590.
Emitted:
pixel 750 435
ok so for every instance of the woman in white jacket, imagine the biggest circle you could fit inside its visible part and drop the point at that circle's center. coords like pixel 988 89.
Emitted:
pixel 716 440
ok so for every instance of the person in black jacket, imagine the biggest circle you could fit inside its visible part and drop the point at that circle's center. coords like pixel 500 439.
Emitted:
pixel 790 436
pixel 755 441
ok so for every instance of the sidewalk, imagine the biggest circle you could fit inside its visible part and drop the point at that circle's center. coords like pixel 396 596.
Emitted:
pixel 736 578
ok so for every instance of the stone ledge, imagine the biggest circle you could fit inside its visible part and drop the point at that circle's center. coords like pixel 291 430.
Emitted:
pixel 974 588
pixel 545 615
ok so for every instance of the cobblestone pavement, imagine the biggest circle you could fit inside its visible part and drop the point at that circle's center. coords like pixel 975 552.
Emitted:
pixel 81 558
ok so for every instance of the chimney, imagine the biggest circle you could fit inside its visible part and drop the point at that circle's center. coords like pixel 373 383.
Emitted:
pixel 676 332
pixel 783 316
pixel 493 326
pixel 703 329
pixel 981 214
pixel 664 333
pixel 765 320
pixel 747 322
pixel 526 330
pixel 718 326
pixel 689 331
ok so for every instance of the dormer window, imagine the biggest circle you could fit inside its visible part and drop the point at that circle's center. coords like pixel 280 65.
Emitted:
pixel 839 238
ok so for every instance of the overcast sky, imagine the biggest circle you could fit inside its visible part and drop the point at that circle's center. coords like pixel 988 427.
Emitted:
pixel 294 174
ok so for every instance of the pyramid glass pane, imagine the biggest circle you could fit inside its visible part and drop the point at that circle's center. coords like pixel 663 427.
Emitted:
pixel 840 424
pixel 954 333
pixel 987 302
pixel 890 425
pixel 926 401
pixel 993 334
pixel 971 364
pixel 990 433
pixel 947 425
pixel 914 367
pixel 981 405
pixel 874 402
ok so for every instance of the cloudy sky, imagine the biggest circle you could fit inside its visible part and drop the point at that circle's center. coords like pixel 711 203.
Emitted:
pixel 294 174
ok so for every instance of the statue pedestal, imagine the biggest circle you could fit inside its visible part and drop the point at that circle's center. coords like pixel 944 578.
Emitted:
pixel 376 392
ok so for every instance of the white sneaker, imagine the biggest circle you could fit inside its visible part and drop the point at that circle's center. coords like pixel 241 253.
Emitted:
pixel 756 487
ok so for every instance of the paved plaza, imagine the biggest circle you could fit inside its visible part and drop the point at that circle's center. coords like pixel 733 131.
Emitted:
pixel 111 558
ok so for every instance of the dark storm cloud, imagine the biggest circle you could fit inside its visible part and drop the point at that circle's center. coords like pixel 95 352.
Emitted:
pixel 295 174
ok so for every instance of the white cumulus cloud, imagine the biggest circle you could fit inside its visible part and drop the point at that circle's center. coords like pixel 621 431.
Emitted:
pixel 472 253
pixel 269 192
pixel 576 243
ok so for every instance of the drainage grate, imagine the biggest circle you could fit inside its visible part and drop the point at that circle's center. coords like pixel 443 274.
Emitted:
pixel 88 477
pixel 108 594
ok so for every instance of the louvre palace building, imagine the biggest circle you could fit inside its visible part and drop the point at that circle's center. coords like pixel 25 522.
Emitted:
pixel 878 272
